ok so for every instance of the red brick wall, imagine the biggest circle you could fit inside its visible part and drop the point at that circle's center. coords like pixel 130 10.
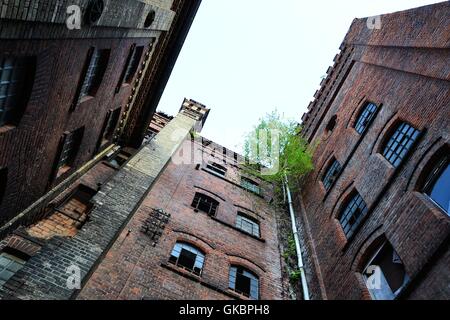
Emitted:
pixel 134 269
pixel 410 83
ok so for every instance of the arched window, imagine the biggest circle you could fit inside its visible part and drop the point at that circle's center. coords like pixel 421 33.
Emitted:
pixel 204 203
pixel 437 185
pixel 16 82
pixel 331 124
pixel 365 117
pixel 385 273
pixel 244 282
pixel 188 257
pixel 331 174
pixel 400 143
pixel 352 214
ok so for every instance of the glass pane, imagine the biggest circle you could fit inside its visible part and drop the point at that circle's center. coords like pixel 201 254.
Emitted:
pixel 440 192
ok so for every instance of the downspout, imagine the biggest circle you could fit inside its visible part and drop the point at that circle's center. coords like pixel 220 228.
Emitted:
pixel 301 266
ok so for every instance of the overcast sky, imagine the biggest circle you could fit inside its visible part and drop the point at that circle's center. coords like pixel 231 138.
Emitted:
pixel 244 58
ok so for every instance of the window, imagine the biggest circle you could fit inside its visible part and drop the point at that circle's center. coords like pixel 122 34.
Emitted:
pixel 244 282
pixel 16 80
pixel 10 262
pixel 3 181
pixel 95 68
pixel 112 118
pixel 78 204
pixel 352 214
pixel 247 224
pixel 330 176
pixel 366 117
pixel 250 185
pixel 400 143
pixel 385 274
pixel 118 159
pixel 69 148
pixel 206 204
pixel 438 182
pixel 188 257
pixel 217 168
pixel 331 124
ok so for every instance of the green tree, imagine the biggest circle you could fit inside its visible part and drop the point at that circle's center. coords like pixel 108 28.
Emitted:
pixel 275 149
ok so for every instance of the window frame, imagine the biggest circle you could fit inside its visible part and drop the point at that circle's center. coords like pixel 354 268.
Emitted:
pixel 111 121
pixel 406 280
pixel 437 170
pixel 365 117
pixel 15 256
pixel 76 137
pixel 346 215
pixel 255 224
pixel 3 183
pixel 92 75
pixel 217 169
pixel 11 113
pixel 331 175
pixel 214 205
pixel 403 147
pixel 234 272
pixel 176 255
pixel 250 185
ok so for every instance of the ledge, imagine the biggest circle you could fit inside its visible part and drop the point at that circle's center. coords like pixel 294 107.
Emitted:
pixel 199 280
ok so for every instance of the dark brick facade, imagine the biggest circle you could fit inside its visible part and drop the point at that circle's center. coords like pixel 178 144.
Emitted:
pixel 402 68
pixel 36 28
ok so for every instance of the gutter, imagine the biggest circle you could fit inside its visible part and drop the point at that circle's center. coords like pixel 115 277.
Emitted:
pixel 301 266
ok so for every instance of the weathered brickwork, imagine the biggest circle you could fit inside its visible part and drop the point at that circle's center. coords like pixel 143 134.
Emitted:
pixel 403 68
pixel 29 150
pixel 137 267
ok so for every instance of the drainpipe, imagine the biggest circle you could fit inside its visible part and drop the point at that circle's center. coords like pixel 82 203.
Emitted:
pixel 301 266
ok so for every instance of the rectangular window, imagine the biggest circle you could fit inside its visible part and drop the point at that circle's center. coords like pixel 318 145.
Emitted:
pixel 94 71
pixel 112 118
pixel 250 185
pixel 247 224
pixel 10 264
pixel 352 214
pixel 217 169
pixel 16 81
pixel 188 257
pixel 365 117
pixel 3 181
pixel 131 66
pixel 69 148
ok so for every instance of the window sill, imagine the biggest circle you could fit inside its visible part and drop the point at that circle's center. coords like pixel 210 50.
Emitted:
pixel 199 280
pixel 6 128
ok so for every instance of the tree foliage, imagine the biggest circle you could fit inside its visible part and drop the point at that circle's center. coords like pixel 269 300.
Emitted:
pixel 275 149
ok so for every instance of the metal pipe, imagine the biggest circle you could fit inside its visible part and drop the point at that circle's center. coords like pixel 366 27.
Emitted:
pixel 301 266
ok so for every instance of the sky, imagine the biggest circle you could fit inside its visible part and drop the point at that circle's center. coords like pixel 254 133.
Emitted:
pixel 246 58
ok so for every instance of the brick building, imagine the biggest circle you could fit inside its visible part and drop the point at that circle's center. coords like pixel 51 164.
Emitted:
pixel 379 193
pixel 75 105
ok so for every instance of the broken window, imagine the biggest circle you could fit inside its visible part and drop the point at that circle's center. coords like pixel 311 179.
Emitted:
pixel 217 168
pixel 366 117
pixel 78 205
pixel 188 257
pixel 16 81
pixel 247 224
pixel 400 143
pixel 331 174
pixel 352 214
pixel 438 182
pixel 385 273
pixel 244 282
pixel 11 261
pixel 250 185
pixel 206 204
